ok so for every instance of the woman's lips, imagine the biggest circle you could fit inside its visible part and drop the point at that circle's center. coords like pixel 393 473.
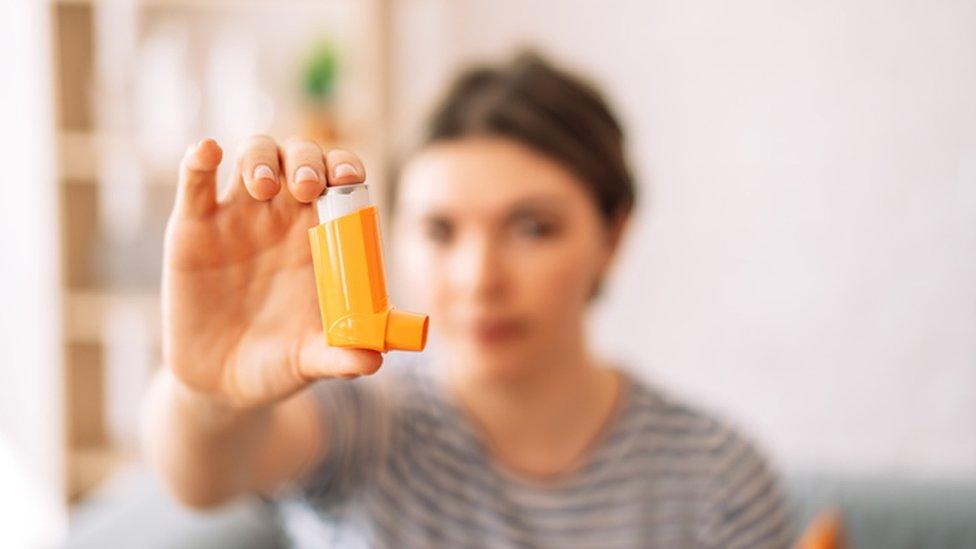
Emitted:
pixel 493 331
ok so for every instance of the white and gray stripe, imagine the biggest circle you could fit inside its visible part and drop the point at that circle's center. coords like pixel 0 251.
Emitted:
pixel 405 469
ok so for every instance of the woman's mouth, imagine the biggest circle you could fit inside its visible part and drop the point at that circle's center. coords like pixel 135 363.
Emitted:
pixel 497 330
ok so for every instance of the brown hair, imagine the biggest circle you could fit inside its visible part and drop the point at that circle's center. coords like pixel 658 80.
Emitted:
pixel 548 110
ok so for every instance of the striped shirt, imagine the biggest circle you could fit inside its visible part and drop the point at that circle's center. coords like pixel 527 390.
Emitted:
pixel 404 468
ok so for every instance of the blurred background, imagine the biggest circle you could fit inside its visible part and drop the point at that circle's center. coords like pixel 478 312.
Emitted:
pixel 803 259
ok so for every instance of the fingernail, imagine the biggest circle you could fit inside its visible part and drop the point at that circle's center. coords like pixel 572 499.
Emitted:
pixel 263 171
pixel 345 169
pixel 306 173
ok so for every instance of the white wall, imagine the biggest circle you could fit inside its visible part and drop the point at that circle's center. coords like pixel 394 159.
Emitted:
pixel 32 506
pixel 805 258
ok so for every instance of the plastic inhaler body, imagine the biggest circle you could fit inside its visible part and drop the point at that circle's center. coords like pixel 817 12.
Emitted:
pixel 351 280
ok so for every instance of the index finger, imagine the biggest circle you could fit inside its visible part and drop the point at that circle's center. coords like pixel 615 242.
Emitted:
pixel 344 167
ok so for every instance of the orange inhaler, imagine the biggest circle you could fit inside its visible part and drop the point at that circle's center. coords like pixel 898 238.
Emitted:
pixel 351 280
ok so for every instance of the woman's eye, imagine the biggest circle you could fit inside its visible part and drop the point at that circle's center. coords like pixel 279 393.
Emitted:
pixel 439 231
pixel 535 228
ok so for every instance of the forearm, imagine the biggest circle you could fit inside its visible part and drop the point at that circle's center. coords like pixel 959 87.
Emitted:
pixel 206 452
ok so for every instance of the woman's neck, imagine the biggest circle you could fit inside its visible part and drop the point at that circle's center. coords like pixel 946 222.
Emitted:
pixel 542 421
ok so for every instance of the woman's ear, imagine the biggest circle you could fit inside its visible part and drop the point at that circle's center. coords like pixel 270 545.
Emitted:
pixel 616 227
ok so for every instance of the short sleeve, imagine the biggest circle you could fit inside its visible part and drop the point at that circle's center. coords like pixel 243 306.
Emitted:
pixel 357 419
pixel 746 507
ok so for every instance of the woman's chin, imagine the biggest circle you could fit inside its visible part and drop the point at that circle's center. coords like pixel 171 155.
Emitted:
pixel 492 362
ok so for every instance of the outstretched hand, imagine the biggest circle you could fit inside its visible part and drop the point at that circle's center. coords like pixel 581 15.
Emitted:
pixel 240 314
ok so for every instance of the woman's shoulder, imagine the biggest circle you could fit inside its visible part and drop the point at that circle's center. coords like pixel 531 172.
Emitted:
pixel 681 426
pixel 744 504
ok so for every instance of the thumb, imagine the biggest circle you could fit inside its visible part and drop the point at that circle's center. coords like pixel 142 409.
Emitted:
pixel 317 360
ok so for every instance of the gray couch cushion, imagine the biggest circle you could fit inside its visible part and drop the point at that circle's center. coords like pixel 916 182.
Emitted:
pixel 891 513
pixel 133 510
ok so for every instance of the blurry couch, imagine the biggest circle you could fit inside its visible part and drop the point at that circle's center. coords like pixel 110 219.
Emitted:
pixel 884 513
pixel 891 512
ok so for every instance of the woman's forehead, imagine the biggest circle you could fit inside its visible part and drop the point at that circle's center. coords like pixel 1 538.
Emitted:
pixel 483 174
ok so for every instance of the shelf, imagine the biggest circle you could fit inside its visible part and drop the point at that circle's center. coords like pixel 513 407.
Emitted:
pixel 78 156
pixel 89 466
pixel 86 313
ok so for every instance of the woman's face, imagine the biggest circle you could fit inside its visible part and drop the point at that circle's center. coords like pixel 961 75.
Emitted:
pixel 502 247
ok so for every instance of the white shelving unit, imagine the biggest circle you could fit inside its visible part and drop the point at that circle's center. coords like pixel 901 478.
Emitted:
pixel 135 83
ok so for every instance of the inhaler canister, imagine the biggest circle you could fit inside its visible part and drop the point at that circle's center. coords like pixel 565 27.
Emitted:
pixel 350 277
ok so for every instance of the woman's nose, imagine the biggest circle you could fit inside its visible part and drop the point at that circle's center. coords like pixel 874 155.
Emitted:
pixel 477 270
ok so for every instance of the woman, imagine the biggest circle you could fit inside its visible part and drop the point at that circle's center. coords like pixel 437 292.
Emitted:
pixel 512 433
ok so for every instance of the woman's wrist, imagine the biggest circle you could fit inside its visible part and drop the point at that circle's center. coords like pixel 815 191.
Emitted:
pixel 209 412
